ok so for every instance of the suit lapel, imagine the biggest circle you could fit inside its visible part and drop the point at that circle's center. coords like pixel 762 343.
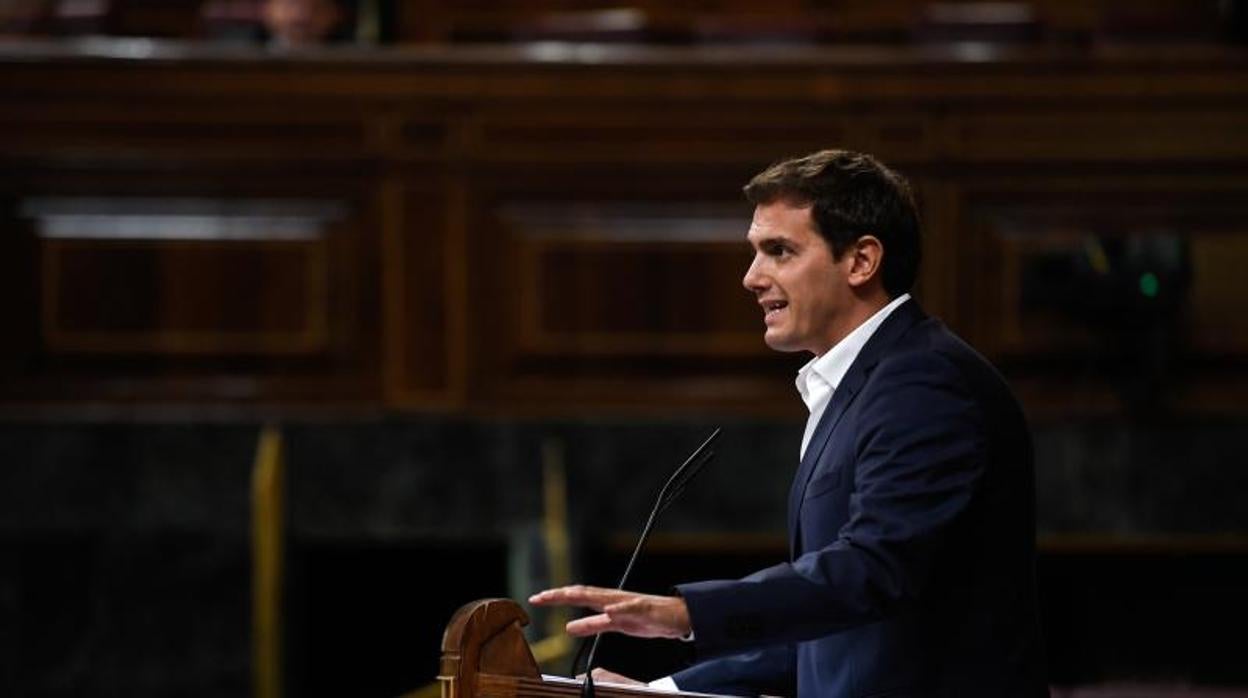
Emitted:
pixel 901 319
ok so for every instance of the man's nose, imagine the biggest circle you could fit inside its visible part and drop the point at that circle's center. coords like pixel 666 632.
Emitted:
pixel 754 280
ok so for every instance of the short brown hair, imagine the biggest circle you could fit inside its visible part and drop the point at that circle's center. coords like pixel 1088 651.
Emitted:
pixel 850 195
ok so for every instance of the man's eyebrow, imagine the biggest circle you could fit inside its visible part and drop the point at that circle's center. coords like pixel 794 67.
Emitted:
pixel 778 239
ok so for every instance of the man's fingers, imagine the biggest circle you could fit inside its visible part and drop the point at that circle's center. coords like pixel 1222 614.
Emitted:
pixel 625 612
pixel 633 606
pixel 590 625
pixel 608 676
pixel 649 616
pixel 632 618
pixel 578 595
pixel 625 617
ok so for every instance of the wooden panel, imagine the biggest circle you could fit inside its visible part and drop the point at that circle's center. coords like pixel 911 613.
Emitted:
pixel 613 278
pixel 701 134
pixel 1108 296
pixel 419 136
pixel 560 228
pixel 894 138
pixel 1218 324
pixel 196 276
pixel 211 298
pixel 161 128
pixel 638 134
pixel 609 300
pixel 1056 274
pixel 1118 134
pixel 191 297
pixel 649 298
pixel 422 262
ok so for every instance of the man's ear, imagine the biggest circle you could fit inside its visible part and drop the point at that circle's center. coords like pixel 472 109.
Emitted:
pixel 866 256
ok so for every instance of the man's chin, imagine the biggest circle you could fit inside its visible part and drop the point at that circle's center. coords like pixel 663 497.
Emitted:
pixel 780 343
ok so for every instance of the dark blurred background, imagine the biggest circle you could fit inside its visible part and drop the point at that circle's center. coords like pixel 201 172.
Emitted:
pixel 477 267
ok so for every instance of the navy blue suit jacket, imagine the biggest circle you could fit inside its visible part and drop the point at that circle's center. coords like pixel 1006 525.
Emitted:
pixel 912 541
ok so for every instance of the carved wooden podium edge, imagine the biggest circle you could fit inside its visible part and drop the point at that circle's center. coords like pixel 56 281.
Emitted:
pixel 485 654
pixel 484 637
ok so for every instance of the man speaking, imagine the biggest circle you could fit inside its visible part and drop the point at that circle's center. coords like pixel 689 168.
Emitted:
pixel 912 513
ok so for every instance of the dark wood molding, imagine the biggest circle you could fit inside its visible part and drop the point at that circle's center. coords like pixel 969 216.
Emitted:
pixel 515 237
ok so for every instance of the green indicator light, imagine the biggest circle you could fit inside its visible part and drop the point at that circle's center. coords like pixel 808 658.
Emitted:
pixel 1149 285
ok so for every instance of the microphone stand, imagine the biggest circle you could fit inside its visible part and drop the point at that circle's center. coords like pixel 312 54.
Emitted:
pixel 671 490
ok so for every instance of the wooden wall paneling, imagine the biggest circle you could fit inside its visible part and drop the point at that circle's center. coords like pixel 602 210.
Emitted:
pixel 894 136
pixel 1110 290
pixel 1218 324
pixel 633 280
pixel 986 294
pixel 204 295
pixel 176 18
pixel 611 288
pixel 355 365
pixel 422 261
pixel 460 262
pixel 179 128
pixel 257 297
pixel 424 133
pixel 426 256
pixel 393 282
pixel 452 151
pixel 944 242
pixel 660 132
pixel 420 21
pixel 1104 132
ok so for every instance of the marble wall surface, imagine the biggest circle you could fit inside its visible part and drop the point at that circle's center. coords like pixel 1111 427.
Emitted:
pixel 125 564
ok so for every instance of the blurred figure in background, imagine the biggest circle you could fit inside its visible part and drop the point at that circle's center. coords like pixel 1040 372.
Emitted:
pixel 281 22
pixel 301 22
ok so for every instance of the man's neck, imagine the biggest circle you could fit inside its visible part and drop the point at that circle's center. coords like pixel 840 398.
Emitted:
pixel 859 313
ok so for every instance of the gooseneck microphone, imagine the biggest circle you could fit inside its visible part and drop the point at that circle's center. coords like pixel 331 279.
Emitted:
pixel 676 484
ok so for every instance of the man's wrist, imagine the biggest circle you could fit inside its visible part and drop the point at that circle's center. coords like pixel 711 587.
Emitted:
pixel 684 621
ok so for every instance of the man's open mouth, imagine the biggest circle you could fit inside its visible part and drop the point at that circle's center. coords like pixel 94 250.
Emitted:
pixel 771 308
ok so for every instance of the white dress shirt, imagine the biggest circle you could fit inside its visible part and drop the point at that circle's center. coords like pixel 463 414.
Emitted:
pixel 820 376
pixel 815 383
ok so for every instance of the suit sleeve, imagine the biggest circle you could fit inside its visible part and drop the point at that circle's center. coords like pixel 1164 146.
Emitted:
pixel 768 671
pixel 919 455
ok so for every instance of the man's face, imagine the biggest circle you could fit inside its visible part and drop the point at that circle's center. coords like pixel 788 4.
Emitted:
pixel 802 289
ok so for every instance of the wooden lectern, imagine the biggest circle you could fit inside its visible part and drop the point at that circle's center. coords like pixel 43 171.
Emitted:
pixel 484 654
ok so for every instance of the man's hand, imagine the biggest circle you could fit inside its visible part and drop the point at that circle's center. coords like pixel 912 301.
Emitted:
pixel 606 676
pixel 639 615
